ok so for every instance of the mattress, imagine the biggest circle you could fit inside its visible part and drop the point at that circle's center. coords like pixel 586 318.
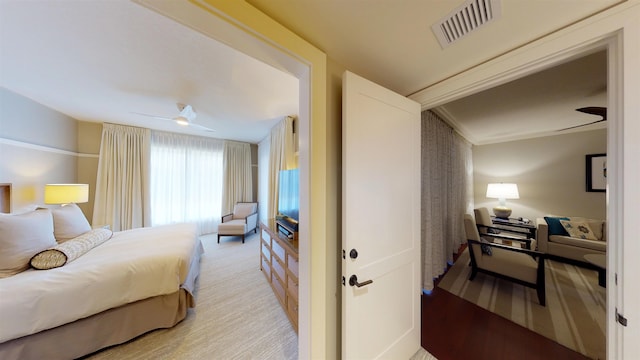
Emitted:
pixel 133 265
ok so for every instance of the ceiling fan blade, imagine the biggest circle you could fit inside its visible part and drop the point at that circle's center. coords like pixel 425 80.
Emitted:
pixel 200 127
pixel 594 110
pixel 152 116
pixel 577 126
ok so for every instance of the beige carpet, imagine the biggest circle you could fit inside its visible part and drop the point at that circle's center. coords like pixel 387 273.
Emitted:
pixel 575 315
pixel 237 316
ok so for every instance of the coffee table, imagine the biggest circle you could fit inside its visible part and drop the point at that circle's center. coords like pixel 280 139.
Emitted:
pixel 600 261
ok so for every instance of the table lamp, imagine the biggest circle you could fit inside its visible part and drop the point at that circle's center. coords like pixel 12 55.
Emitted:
pixel 66 193
pixel 502 191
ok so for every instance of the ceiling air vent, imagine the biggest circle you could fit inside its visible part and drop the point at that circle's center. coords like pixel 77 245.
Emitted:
pixel 466 18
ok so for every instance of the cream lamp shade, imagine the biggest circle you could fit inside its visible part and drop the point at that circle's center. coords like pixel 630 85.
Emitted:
pixel 502 191
pixel 66 193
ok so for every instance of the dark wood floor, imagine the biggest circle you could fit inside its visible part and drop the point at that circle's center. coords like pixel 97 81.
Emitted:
pixel 453 328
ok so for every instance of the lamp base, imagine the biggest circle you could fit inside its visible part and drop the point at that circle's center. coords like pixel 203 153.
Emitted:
pixel 502 212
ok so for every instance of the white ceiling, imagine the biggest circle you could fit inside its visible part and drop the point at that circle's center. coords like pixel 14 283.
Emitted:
pixel 103 60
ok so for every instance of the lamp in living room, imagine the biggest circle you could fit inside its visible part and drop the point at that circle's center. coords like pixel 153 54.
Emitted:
pixel 66 193
pixel 502 192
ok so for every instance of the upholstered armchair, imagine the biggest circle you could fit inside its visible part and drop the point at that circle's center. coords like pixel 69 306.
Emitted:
pixel 242 220
pixel 522 266
pixel 489 230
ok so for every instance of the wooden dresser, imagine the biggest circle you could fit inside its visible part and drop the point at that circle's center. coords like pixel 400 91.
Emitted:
pixel 279 264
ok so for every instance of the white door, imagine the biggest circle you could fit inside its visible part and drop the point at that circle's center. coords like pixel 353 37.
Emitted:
pixel 380 222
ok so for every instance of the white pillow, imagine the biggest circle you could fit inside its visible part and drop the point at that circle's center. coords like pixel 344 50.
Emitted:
pixel 21 237
pixel 69 222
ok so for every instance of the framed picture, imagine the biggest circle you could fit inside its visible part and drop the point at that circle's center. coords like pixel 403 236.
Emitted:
pixel 597 172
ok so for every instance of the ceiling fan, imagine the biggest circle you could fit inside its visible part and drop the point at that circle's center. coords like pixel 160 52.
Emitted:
pixel 185 117
pixel 593 110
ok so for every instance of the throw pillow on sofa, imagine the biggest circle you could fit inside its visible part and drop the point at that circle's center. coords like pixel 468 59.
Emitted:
pixel 579 229
pixel 555 227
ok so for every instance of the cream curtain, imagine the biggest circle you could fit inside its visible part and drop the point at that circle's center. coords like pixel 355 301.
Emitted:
pixel 122 185
pixel 186 180
pixel 281 157
pixel 447 194
pixel 237 184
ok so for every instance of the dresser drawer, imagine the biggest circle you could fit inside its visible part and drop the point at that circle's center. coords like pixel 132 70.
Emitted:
pixel 265 235
pixel 292 309
pixel 292 263
pixel 278 268
pixel 292 288
pixel 278 289
pixel 266 269
pixel 278 251
pixel 265 251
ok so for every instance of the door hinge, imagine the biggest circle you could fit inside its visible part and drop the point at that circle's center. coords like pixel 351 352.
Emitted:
pixel 343 282
pixel 344 255
pixel 621 319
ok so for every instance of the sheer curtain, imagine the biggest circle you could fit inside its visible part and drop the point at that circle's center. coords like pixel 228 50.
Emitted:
pixel 186 180
pixel 122 184
pixel 447 194
pixel 237 183
pixel 281 157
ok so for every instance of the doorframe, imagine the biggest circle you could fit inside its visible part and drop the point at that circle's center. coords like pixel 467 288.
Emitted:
pixel 244 28
pixel 614 30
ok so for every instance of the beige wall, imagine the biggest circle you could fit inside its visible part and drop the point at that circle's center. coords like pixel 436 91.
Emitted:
pixel 37 146
pixel 89 138
pixel 549 171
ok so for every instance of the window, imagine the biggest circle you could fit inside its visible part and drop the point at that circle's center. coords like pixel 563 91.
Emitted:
pixel 186 180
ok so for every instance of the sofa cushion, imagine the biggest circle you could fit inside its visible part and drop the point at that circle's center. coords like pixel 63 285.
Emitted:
pixel 579 229
pixel 581 243
pixel 555 227
pixel 596 225
pixel 518 265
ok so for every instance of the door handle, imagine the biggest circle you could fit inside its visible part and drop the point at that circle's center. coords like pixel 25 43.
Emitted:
pixel 353 280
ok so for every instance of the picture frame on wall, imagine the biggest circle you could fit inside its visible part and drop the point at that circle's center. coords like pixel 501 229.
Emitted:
pixel 596 172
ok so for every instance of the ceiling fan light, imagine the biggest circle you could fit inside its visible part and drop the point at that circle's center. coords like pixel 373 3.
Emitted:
pixel 181 120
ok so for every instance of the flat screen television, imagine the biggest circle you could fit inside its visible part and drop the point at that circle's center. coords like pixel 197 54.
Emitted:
pixel 289 196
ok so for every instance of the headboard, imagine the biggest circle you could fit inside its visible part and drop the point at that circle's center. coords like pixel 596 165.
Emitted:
pixel 5 198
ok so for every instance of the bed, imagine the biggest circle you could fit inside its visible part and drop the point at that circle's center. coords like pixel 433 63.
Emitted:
pixel 131 283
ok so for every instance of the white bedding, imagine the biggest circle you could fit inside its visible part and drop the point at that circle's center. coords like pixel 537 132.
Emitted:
pixel 132 265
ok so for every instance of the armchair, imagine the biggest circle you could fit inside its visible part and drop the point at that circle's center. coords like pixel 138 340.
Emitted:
pixel 489 230
pixel 522 266
pixel 242 220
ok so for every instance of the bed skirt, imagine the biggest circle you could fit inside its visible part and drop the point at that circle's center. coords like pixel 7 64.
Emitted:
pixel 108 328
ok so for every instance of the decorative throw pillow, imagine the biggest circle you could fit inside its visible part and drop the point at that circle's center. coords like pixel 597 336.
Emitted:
pixel 579 229
pixel 486 249
pixel 21 237
pixel 69 222
pixel 555 227
pixel 70 250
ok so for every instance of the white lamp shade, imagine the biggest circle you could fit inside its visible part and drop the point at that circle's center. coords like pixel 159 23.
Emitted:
pixel 66 193
pixel 503 191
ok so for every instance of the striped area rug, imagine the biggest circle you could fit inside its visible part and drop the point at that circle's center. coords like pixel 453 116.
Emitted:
pixel 575 315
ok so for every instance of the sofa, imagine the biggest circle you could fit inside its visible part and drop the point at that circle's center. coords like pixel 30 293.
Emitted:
pixel 571 237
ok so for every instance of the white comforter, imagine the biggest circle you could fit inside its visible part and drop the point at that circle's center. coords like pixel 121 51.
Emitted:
pixel 132 265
